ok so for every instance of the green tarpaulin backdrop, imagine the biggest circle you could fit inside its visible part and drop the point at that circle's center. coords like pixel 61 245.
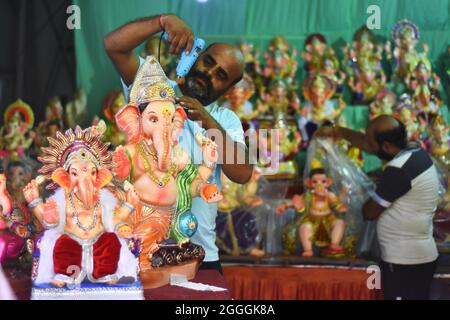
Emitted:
pixel 253 20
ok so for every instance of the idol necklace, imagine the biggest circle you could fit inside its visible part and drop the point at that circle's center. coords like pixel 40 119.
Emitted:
pixel 75 215
pixel 144 154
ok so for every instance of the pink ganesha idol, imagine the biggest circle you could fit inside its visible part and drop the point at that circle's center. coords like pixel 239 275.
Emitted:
pixel 12 232
pixel 158 168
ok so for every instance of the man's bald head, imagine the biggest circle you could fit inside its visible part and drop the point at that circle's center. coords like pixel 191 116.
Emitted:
pixel 233 53
pixel 387 135
pixel 217 69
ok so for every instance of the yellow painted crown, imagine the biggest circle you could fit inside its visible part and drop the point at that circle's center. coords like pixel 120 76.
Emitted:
pixel 316 164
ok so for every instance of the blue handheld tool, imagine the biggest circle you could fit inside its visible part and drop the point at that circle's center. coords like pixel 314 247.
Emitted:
pixel 187 60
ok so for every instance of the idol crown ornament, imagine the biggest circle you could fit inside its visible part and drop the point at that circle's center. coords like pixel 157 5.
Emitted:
pixel 74 146
pixel 151 84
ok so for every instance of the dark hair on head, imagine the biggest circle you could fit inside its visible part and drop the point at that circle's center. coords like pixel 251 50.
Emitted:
pixel 396 136
pixel 2 171
pixel 317 171
pixel 142 106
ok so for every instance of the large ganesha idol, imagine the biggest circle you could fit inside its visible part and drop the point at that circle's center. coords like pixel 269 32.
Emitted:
pixel 86 225
pixel 161 171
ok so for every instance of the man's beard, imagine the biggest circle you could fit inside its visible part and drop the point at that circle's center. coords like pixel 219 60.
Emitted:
pixel 197 90
pixel 384 156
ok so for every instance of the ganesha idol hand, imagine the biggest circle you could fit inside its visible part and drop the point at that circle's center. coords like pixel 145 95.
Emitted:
pixel 210 193
pixel 22 231
pixel 125 232
pixel 123 165
pixel 343 208
pixel 31 191
pixel 50 213
pixel 132 196
pixel 209 149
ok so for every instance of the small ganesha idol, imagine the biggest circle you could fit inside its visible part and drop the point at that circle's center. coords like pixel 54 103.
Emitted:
pixel 16 135
pixel 13 230
pixel 315 49
pixel 86 225
pixel 279 63
pixel 405 35
pixel 439 141
pixel 162 173
pixel 319 222
pixel 423 86
pixel 319 108
pixel 383 104
pixel 363 61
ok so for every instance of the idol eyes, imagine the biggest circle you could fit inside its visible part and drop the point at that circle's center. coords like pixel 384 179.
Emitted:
pixel 153 119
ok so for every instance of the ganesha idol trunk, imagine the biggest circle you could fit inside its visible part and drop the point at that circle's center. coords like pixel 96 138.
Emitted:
pixel 172 260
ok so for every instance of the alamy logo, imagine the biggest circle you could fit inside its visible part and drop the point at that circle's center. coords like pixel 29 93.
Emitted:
pixel 374 280
pixel 374 20
pixel 74 20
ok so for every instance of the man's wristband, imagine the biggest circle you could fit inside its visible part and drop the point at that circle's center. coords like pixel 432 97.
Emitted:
pixel 161 24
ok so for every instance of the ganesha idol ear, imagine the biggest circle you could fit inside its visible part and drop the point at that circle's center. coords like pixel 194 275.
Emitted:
pixel 104 176
pixel 180 114
pixel 61 177
pixel 329 182
pixel 128 120
pixel 307 182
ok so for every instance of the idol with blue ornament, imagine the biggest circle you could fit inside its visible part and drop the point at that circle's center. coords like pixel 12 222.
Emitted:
pixel 163 176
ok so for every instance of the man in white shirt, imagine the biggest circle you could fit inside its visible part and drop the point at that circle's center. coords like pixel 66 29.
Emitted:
pixel 403 204
pixel 216 70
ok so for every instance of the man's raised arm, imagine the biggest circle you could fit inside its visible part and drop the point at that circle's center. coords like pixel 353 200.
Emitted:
pixel 119 44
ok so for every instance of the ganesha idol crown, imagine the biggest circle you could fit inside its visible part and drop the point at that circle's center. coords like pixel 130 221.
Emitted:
pixel 74 146
pixel 151 84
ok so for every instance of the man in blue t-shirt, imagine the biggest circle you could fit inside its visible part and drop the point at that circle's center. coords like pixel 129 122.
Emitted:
pixel 216 70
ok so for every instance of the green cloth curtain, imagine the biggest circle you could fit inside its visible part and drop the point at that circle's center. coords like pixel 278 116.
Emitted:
pixel 256 21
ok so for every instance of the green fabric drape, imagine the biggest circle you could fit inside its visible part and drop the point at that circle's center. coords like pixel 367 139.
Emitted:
pixel 253 20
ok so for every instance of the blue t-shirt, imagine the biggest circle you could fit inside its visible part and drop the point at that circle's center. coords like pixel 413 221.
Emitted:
pixel 205 213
